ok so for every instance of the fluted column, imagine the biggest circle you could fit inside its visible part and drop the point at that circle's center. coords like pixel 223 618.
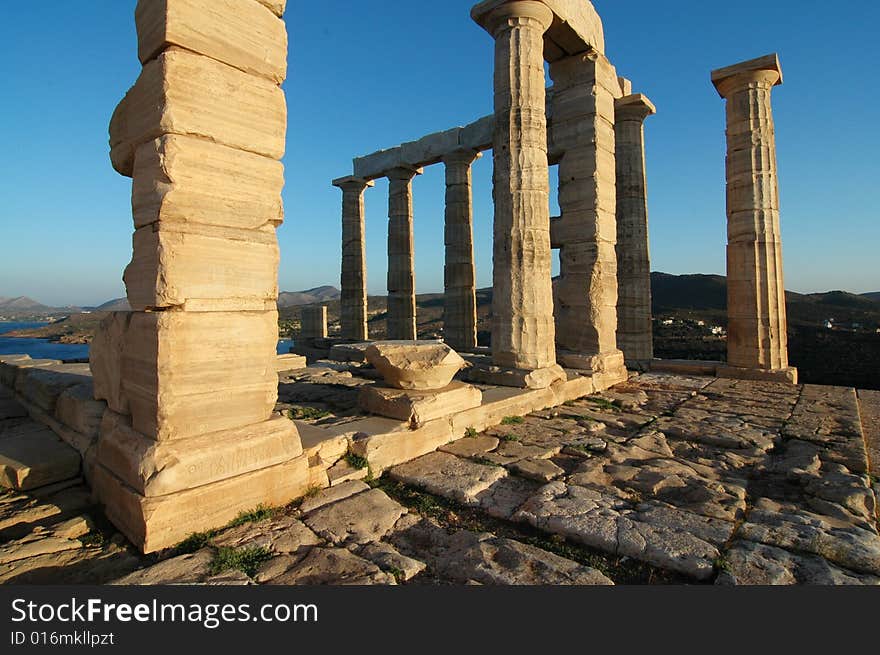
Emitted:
pixel 634 335
pixel 523 333
pixel 401 265
pixel 757 328
pixel 460 301
pixel 585 86
pixel 353 281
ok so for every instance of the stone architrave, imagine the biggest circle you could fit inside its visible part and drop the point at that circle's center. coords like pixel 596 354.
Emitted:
pixel 460 301
pixel 190 375
pixel 585 88
pixel 634 335
pixel 401 264
pixel 523 333
pixel 353 300
pixel 757 344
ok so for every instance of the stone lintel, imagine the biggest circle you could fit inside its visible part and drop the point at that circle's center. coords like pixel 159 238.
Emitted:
pixel 576 26
pixel 766 63
pixel 636 105
pixel 786 375
pixel 352 181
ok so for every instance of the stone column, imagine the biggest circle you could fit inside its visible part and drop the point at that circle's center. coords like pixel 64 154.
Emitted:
pixel 353 300
pixel 585 87
pixel 313 323
pixel 522 307
pixel 460 301
pixel 401 265
pixel 634 336
pixel 189 440
pixel 757 345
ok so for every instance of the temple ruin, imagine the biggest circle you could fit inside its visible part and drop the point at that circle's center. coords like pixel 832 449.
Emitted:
pixel 189 436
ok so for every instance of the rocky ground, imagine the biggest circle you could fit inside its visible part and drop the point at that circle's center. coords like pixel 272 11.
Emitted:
pixel 664 479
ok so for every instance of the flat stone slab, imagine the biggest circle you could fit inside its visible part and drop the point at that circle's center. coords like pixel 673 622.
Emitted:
pixel 284 534
pixel 184 569
pixel 46 541
pixel 448 476
pixel 466 556
pixel 333 566
pixel 419 407
pixel 36 459
pixel 359 519
pixel 471 446
pixel 333 494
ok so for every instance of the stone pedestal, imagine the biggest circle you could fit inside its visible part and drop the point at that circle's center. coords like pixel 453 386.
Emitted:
pixel 189 376
pixel 353 297
pixel 313 323
pixel 401 267
pixel 634 335
pixel 460 302
pixel 522 309
pixel 757 326
pixel 585 87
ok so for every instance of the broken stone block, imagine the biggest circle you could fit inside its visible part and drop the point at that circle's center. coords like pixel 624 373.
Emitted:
pixel 162 521
pixel 415 366
pixel 177 93
pixel 240 33
pixel 188 373
pixel 385 446
pixel 342 472
pixel 105 360
pixel 184 179
pixel 77 408
pixel 10 365
pixel 35 459
pixel 540 470
pixel 290 362
pixel 203 268
pixel 419 407
pixel 158 468
pixel 388 559
pixel 335 566
pixel 333 494
pixel 359 519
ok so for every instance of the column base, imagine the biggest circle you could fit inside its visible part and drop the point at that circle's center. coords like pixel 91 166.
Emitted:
pixel 595 363
pixel 540 378
pixel 785 375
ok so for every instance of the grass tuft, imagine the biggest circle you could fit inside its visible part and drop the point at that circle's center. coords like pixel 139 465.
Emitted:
pixel 246 560
pixel 470 432
pixel 299 413
pixel 512 420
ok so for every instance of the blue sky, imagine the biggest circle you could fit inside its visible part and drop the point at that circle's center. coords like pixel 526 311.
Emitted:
pixel 369 74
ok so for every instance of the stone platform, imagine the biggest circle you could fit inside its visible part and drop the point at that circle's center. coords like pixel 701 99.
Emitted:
pixel 664 478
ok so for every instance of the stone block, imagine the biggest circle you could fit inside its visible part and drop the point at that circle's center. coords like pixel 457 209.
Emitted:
pixel 313 321
pixel 478 135
pixel 413 366
pixel 105 360
pixel 430 149
pixel 184 179
pixel 203 268
pixel 290 362
pixel 77 408
pixel 158 468
pixel 419 407
pixel 276 6
pixel 35 459
pixel 186 374
pixel 162 521
pixel 177 93
pixel 385 449
pixel 378 163
pixel 786 375
pixel 540 378
pixel 12 364
pixel 242 33
pixel 321 442
pixel 42 386
pixel 499 403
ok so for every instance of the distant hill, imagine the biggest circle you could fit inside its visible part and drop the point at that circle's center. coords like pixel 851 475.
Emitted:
pixel 115 305
pixel 874 295
pixel 21 304
pixel 308 297
pixel 688 292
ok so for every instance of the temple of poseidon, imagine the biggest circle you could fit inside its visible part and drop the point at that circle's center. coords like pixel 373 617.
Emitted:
pixel 174 423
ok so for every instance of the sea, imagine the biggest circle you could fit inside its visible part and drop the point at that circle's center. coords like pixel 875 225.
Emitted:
pixel 45 349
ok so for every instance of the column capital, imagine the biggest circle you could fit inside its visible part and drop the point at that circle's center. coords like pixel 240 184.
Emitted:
pixel 403 172
pixel 464 157
pixel 515 13
pixel 766 69
pixel 352 183
pixel 633 107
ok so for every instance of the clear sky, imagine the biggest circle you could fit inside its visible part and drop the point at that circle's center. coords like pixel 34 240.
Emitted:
pixel 369 74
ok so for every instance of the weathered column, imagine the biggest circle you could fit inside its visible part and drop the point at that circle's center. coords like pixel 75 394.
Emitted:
pixel 522 306
pixel 313 322
pixel 401 265
pixel 634 336
pixel 353 281
pixel 757 345
pixel 460 301
pixel 189 440
pixel 585 87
